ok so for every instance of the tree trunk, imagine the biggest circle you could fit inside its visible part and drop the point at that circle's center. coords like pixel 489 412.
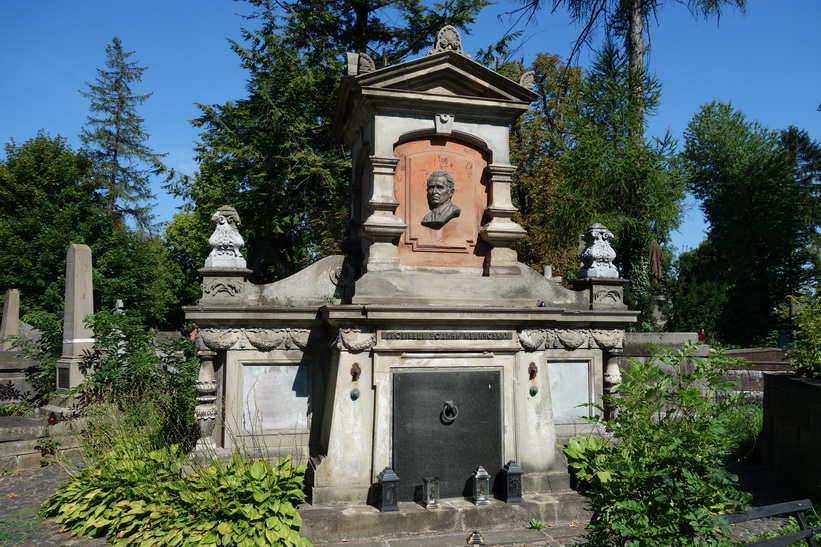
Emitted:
pixel 635 55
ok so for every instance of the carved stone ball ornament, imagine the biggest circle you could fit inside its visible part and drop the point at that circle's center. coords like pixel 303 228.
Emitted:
pixel 448 39
pixel 225 241
pixel 597 256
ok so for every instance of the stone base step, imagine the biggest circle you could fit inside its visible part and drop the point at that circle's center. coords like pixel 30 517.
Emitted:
pixel 358 524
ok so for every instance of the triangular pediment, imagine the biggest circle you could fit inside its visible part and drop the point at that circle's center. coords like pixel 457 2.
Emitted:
pixel 445 74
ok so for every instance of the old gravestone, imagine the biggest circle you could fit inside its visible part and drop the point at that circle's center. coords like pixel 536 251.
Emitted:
pixel 428 347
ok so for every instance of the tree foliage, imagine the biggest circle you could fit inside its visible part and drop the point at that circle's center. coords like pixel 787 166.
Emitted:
pixel 51 201
pixel 116 140
pixel 579 164
pixel 271 154
pixel 627 20
pixel 759 190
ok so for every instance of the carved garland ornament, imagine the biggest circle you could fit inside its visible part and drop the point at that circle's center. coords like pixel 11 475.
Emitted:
pixel 258 338
pixel 571 339
pixel 355 340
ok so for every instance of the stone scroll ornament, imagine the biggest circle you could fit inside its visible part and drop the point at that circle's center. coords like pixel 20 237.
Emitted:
pixel 597 256
pixel 226 240
pixel 206 409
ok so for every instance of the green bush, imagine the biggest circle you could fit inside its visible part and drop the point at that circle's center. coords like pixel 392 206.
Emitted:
pixel 23 408
pixel 42 376
pixel 152 386
pixel 661 479
pixel 141 497
pixel 805 350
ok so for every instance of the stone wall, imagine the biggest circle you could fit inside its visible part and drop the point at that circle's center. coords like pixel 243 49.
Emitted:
pixel 13 384
pixel 20 438
pixel 791 437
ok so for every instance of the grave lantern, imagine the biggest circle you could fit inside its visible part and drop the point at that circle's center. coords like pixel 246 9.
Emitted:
pixel 388 486
pixel 481 486
pixel 512 485
pixel 430 488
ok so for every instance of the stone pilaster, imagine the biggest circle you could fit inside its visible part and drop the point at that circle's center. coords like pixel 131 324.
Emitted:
pixel 342 476
pixel 501 232
pixel 382 227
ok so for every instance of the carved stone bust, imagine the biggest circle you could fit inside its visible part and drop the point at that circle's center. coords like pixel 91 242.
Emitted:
pixel 441 187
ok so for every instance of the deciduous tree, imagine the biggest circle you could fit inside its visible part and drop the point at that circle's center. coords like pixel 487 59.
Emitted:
pixel 51 200
pixel 759 190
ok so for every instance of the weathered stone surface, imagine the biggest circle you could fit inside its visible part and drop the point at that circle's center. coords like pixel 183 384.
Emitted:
pixel 78 339
pixel 10 325
pixel 339 362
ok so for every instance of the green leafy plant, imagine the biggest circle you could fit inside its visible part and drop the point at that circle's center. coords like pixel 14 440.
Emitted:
pixel 49 448
pixel 661 479
pixel 536 525
pixel 42 376
pixel 805 351
pixel 152 385
pixel 144 499
pixel 813 519
pixel 22 408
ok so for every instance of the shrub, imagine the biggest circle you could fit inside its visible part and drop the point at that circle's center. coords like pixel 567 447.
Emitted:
pixel 661 480
pixel 152 386
pixel 42 376
pixel 805 350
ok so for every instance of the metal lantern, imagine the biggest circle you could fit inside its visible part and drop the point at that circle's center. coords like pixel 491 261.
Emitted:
pixel 481 486
pixel 430 488
pixel 388 490
pixel 512 486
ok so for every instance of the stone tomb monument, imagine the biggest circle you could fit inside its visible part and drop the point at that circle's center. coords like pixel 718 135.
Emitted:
pixel 427 348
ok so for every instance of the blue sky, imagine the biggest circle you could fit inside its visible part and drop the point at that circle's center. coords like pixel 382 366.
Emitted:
pixel 767 63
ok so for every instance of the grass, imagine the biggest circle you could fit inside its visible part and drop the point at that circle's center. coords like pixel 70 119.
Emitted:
pixel 18 525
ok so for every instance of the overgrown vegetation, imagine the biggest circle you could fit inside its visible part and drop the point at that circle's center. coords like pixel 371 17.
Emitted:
pixel 805 350
pixel 136 495
pixel 137 405
pixel 660 478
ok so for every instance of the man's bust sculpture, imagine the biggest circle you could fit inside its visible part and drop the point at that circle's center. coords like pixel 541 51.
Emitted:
pixel 440 191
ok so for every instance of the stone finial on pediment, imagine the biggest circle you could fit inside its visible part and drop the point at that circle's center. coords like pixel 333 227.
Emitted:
pixel 359 63
pixel 448 39
pixel 226 240
pixel 528 79
pixel 597 256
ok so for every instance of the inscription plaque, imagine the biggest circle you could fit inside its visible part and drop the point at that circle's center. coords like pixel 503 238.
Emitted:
pixel 275 396
pixel 446 423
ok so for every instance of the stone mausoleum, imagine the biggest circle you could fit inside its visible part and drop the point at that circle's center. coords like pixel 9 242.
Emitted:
pixel 427 348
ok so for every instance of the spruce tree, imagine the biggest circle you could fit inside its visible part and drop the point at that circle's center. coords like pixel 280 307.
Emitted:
pixel 115 139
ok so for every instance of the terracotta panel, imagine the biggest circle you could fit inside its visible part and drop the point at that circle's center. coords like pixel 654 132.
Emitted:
pixel 457 243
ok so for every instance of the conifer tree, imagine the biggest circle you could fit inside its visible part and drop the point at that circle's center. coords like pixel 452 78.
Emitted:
pixel 115 139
